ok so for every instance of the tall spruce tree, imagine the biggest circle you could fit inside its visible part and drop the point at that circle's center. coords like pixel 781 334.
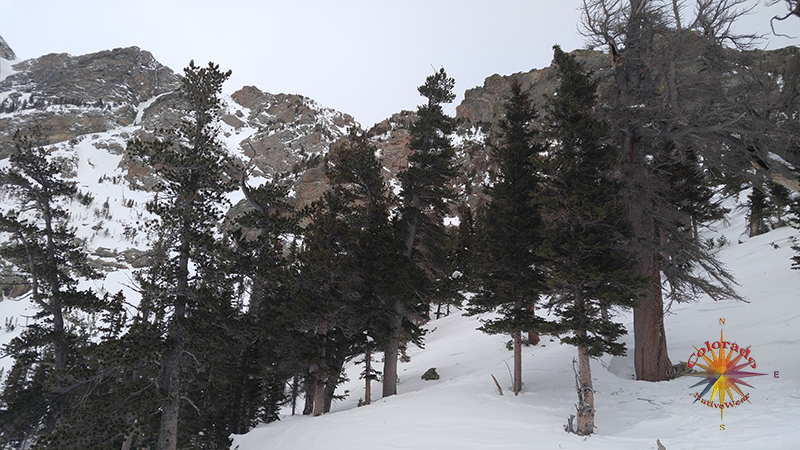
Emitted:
pixel 187 276
pixel 589 268
pixel 46 250
pixel 350 270
pixel 423 206
pixel 269 354
pixel 667 64
pixel 508 267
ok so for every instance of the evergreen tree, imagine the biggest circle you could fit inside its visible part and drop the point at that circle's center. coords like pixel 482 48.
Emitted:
pixel 508 267
pixel 43 247
pixel 188 275
pixel 423 205
pixel 589 269
pixel 758 212
pixel 350 270
pixel 688 188
pixel 385 275
pixel 269 352
pixel 667 65
pixel 781 199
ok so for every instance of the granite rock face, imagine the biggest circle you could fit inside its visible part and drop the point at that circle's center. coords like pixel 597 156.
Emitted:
pixel 97 102
pixel 5 50
pixel 68 96
pixel 483 105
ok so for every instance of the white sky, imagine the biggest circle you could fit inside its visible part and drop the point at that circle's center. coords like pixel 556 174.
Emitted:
pixel 362 57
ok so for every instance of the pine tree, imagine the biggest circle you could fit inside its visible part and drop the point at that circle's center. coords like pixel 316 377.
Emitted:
pixel 350 270
pixel 589 269
pixel 268 352
pixel 47 251
pixel 508 267
pixel 667 65
pixel 186 276
pixel 423 205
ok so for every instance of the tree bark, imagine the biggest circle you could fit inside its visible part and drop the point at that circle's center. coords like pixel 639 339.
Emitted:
pixel 651 360
pixel 170 409
pixel 392 351
pixel 295 392
pixel 57 308
pixel 517 362
pixel 368 378
pixel 585 424
pixel 533 337
pixel 321 376
pixel 310 391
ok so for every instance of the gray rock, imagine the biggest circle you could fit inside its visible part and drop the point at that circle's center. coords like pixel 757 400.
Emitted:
pixel 430 374
pixel 5 50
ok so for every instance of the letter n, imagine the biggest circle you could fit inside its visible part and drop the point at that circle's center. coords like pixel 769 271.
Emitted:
pixel 722 321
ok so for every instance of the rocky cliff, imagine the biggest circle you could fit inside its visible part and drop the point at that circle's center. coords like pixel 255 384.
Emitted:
pixel 89 106
pixel 5 50
pixel 67 96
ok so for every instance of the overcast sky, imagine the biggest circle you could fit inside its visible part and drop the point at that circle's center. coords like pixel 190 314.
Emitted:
pixel 362 57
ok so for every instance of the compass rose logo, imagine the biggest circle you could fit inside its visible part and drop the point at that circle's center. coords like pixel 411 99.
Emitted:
pixel 725 364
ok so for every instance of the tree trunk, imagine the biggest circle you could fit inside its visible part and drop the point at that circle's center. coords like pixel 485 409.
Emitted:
pixel 533 337
pixel 168 433
pixel 585 424
pixel 650 343
pixel 170 409
pixel 330 391
pixel 295 392
pixel 368 378
pixel 308 405
pixel 651 360
pixel 126 445
pixel 321 376
pixel 339 357
pixel 517 362
pixel 59 336
pixel 392 351
pixel 319 395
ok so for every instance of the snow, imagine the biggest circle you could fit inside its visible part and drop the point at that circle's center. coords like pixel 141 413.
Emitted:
pixel 463 410
pixel 142 107
pixel 5 68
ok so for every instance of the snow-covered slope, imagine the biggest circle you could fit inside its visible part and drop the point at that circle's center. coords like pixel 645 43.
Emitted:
pixel 463 410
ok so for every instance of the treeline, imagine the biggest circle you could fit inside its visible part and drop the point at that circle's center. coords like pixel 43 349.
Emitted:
pixel 592 203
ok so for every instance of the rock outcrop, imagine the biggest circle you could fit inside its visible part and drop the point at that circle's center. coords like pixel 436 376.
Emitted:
pixel 483 106
pixel 103 99
pixel 69 96
pixel 5 50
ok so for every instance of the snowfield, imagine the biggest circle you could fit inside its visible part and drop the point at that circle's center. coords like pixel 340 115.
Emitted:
pixel 463 410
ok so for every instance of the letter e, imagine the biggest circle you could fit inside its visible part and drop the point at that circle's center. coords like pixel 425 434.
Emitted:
pixel 776 374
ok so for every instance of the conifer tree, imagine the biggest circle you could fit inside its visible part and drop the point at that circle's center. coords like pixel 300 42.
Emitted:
pixel 187 275
pixel 667 63
pixel 349 266
pixel 43 247
pixel 589 270
pixel 508 267
pixel 424 201
pixel 269 352
pixel 384 275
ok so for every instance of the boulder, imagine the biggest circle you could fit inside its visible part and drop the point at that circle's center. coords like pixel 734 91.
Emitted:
pixel 430 374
